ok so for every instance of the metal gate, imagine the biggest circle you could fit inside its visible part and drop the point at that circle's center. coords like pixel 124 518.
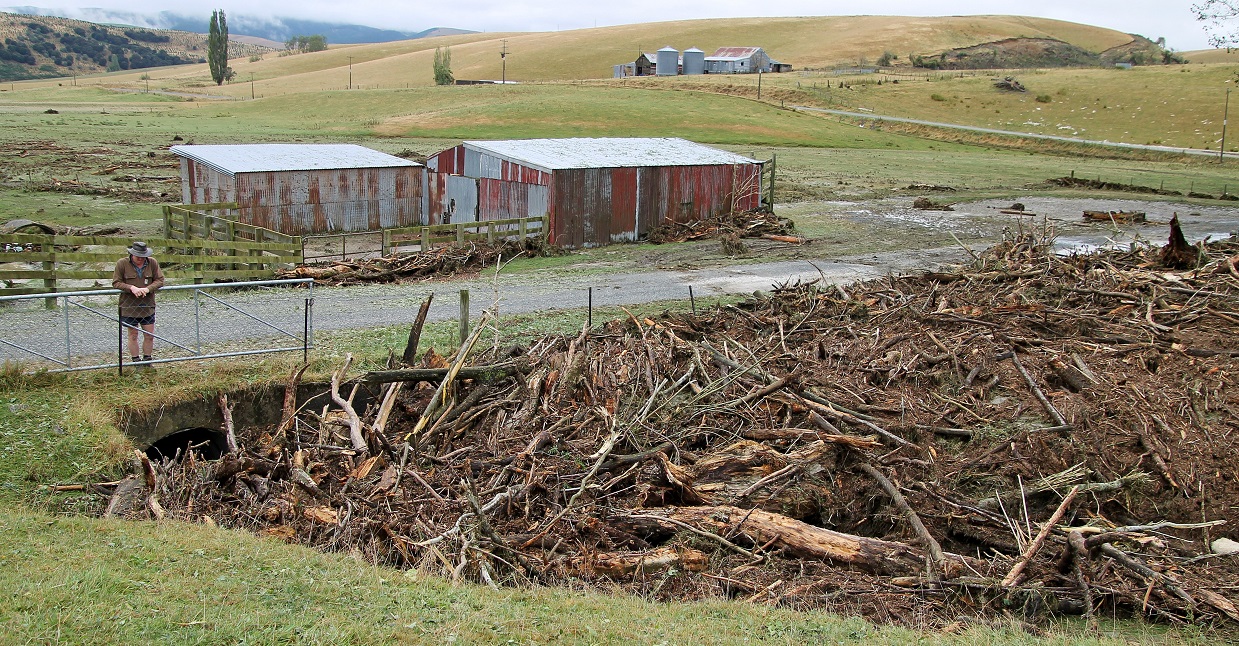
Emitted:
pixel 84 332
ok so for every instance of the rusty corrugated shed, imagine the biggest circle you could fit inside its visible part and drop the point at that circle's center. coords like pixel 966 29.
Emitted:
pixel 257 158
pixel 302 189
pixel 596 191
pixel 582 152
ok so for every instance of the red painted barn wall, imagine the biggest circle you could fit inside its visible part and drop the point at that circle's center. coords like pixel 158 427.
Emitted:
pixel 599 206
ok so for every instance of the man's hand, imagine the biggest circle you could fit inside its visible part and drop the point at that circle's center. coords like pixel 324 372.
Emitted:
pixel 139 291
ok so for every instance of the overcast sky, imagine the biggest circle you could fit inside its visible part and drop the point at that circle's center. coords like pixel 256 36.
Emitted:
pixel 1172 19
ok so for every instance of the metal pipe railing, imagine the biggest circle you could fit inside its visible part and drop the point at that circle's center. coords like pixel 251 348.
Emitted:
pixel 193 353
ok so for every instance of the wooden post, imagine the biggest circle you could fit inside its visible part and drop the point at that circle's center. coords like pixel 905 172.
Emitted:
pixel 259 236
pixel 460 234
pixel 425 239
pixel 232 237
pixel 167 221
pixel 49 280
pixel 387 246
pixel 546 228
pixel 490 231
pixel 524 226
pixel 197 250
pixel 464 315
pixel 770 191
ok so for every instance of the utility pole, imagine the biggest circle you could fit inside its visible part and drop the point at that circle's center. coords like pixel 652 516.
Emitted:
pixel 759 84
pixel 350 72
pixel 1221 152
pixel 503 56
pixel 251 86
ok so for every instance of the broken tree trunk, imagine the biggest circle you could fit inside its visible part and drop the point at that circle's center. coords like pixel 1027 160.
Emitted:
pixel 415 332
pixel 1178 254
pixel 803 540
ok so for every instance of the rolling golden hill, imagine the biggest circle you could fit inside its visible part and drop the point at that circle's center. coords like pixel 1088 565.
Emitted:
pixel 804 43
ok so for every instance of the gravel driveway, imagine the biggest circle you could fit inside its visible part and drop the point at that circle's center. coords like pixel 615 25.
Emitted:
pixel 264 318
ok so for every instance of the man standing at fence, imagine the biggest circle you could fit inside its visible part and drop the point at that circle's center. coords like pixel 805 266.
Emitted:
pixel 138 277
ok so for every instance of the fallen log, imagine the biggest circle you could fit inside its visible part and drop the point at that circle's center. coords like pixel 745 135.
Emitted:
pixel 802 540
pixel 628 564
pixel 751 470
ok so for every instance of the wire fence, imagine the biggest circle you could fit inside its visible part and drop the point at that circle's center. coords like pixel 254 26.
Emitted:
pixel 84 331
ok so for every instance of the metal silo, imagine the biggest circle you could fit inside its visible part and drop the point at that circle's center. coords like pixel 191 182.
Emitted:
pixel 694 61
pixel 668 63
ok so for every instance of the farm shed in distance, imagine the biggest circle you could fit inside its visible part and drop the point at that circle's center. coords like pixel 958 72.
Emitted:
pixel 305 188
pixel 596 191
pixel 742 60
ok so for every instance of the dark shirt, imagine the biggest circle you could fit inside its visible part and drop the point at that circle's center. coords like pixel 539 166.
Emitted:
pixel 149 276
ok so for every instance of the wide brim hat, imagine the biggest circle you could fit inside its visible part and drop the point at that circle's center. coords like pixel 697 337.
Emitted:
pixel 140 250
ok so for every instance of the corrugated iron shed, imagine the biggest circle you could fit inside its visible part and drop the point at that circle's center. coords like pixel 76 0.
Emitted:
pixel 262 158
pixel 596 191
pixel 613 152
pixel 305 188
pixel 733 53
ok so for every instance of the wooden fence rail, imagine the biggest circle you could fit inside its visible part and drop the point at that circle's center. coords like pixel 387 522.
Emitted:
pixel 60 257
pixel 460 232
pixel 192 221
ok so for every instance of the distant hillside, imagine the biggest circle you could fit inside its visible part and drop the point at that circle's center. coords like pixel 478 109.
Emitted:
pixel 1046 52
pixel 241 24
pixel 48 47
pixel 813 43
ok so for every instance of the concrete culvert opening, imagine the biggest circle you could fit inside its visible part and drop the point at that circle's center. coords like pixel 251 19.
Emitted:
pixel 208 444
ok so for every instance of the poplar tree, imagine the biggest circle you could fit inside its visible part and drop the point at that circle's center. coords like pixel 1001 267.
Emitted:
pixel 217 47
pixel 443 66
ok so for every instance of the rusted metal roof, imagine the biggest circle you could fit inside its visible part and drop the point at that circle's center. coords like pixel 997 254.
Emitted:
pixel 259 158
pixel 611 152
pixel 733 53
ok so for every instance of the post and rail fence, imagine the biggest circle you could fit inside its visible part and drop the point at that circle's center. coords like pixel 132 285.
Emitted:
pixel 216 221
pixel 316 246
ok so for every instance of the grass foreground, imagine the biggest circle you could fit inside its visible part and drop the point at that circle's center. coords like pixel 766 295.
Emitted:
pixel 79 580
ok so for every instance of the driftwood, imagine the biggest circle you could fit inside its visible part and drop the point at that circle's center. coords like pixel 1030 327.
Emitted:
pixel 485 374
pixel 1178 254
pixel 354 422
pixel 597 459
pixel 1115 216
pixel 932 548
pixel 802 540
pixel 415 332
pixel 289 411
pixel 628 564
pixel 230 430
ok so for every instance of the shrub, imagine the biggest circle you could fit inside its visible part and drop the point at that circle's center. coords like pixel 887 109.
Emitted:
pixel 937 97
pixel 1042 98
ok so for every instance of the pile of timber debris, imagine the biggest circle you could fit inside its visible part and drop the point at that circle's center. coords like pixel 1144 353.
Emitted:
pixel 745 224
pixel 439 261
pixel 1033 434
